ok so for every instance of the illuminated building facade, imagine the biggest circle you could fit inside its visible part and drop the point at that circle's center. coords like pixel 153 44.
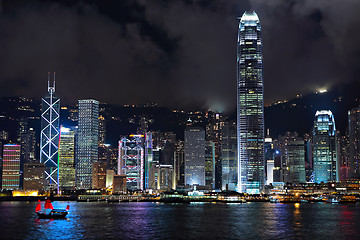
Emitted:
pixel 11 167
pixel 250 105
pixel 194 156
pixel 296 165
pixel 67 158
pixel 49 138
pixel 131 161
pixel 87 142
pixel 354 142
pixel 229 157
pixel 148 157
pixel 325 147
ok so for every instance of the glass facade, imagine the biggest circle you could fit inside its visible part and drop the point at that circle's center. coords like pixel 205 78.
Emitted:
pixel 194 156
pixel 49 138
pixel 324 147
pixel 250 105
pixel 87 142
pixel 67 158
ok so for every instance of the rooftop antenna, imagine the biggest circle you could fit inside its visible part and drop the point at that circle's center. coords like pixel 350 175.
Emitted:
pixel 51 90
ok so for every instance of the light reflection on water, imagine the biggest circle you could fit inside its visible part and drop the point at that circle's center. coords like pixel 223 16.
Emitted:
pixel 100 220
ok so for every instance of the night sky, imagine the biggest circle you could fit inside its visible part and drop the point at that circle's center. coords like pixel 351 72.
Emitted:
pixel 177 53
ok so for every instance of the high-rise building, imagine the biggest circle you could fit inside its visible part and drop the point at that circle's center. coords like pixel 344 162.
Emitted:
pixel 49 138
pixel 194 156
pixel 324 147
pixel 67 158
pixel 354 142
pixel 250 105
pixel 296 165
pixel 34 176
pixel 179 165
pixel 11 167
pixel 229 157
pixel 131 161
pixel 87 142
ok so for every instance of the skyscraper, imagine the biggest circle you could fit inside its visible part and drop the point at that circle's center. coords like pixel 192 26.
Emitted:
pixel 11 167
pixel 250 105
pixel 87 142
pixel 49 138
pixel 194 156
pixel 67 158
pixel 354 142
pixel 324 147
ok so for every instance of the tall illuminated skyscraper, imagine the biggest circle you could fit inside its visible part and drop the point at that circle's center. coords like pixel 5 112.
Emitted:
pixel 324 147
pixel 194 156
pixel 87 142
pixel 67 158
pixel 250 105
pixel 49 138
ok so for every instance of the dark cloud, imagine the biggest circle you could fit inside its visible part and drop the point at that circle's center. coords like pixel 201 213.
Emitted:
pixel 177 53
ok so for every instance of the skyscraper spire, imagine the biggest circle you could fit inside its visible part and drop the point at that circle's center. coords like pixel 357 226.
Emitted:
pixel 51 89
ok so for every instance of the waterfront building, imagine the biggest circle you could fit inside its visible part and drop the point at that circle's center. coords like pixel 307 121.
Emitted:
pixel 250 105
pixel 325 147
pixel 131 161
pixel 110 178
pixel 67 158
pixel 194 156
pixel 49 138
pixel 99 175
pixel 149 158
pixel 87 142
pixel 161 177
pixel 120 184
pixel 229 157
pixel 354 142
pixel 34 176
pixel 11 167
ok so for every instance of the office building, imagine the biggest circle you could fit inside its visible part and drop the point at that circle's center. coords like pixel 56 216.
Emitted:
pixel 34 176
pixel 325 148
pixel 210 164
pixel 11 167
pixel 131 161
pixel 99 175
pixel 296 165
pixel 49 138
pixel 87 142
pixel 250 105
pixel 194 156
pixel 67 158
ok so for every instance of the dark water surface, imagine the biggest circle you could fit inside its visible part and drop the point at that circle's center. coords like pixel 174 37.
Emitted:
pixel 102 220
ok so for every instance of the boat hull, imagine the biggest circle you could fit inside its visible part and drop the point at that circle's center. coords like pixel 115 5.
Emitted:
pixel 54 214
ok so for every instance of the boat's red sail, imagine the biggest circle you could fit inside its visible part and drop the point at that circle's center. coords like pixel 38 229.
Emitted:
pixel 48 204
pixel 38 207
pixel 67 207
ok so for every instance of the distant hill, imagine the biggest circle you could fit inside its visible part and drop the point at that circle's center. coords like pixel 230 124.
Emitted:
pixel 298 114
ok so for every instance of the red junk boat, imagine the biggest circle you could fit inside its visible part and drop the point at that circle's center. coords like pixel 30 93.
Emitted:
pixel 49 212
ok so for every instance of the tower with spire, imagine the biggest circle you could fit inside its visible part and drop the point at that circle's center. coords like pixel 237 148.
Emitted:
pixel 49 138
